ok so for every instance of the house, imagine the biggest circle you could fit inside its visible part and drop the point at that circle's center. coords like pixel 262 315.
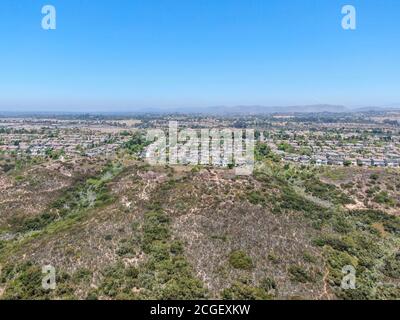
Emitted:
pixel 364 162
pixel 335 161
pixel 304 159
pixel 320 161
pixel 378 162
pixel 394 163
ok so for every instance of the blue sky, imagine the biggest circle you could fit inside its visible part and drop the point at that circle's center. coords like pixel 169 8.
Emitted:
pixel 119 55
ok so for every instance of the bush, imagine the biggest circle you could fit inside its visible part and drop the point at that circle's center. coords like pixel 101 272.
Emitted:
pixel 328 192
pixel 299 274
pixel 256 197
pixel 384 198
pixel 243 291
pixel 268 284
pixel 125 249
pixel 156 228
pixel 392 267
pixel 374 176
pixel 308 257
pixel 334 242
pixel 165 273
pixel 391 223
pixel 240 260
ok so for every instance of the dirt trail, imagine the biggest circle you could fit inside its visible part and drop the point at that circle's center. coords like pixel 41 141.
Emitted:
pixel 325 293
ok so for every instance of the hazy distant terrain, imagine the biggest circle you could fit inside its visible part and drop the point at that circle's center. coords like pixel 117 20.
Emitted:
pixel 216 110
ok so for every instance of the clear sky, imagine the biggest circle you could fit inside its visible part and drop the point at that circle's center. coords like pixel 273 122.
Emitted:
pixel 116 55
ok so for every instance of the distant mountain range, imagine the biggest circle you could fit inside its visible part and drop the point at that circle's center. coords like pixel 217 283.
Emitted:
pixel 251 110
pixel 242 110
pixel 223 110
pixel 255 109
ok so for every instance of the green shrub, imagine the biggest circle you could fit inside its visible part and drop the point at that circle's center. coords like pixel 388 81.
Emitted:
pixel 328 192
pixel 392 266
pixel 268 284
pixel 165 274
pixel 374 176
pixel 244 291
pixel 299 274
pixel 308 257
pixel 240 260
pixel 256 197
pixel 273 258
pixel 384 198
